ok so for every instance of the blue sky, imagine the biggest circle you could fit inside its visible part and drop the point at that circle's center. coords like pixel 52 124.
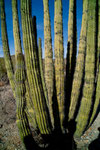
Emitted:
pixel 37 10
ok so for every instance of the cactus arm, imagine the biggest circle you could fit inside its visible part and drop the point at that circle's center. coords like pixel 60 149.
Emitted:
pixel 8 61
pixel 39 102
pixel 34 33
pixel 41 70
pixel 16 31
pixel 18 50
pixel 71 56
pixel 48 57
pixel 80 63
pixel 59 58
pixel 97 98
pixel 72 37
pixel 22 120
pixel 34 30
pixel 89 80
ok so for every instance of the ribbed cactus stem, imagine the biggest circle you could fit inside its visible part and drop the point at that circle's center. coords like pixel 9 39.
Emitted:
pixel 22 120
pixel 6 50
pixel 18 50
pixel 59 58
pixel 34 33
pixel 35 84
pixel 89 80
pixel 16 31
pixel 34 29
pixel 48 57
pixel 71 56
pixel 72 37
pixel 42 70
pixel 80 64
pixel 97 98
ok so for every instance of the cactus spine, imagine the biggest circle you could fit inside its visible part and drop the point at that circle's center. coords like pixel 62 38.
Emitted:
pixel 48 57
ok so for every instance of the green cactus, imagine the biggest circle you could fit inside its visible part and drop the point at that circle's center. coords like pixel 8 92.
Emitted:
pixel 42 71
pixel 20 97
pixel 17 41
pixel 46 101
pixel 97 98
pixel 32 71
pixel 80 64
pixel 8 61
pixel 59 58
pixel 71 56
pixel 89 79
pixel 18 50
pixel 72 37
pixel 48 57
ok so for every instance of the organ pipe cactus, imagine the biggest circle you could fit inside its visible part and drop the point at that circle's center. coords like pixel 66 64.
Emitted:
pixel 45 102
pixel 59 58
pixel 48 56
pixel 18 51
pixel 80 64
pixel 8 62
pixel 36 88
pixel 97 98
pixel 89 78
pixel 71 56
pixel 72 37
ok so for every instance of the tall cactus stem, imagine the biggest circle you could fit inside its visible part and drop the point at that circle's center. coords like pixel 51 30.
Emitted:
pixel 42 70
pixel 22 120
pixel 89 80
pixel 6 50
pixel 39 102
pixel 78 80
pixel 59 58
pixel 97 98
pixel 48 57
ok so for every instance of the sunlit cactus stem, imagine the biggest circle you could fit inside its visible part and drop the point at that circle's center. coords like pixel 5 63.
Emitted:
pixel 35 84
pixel 22 120
pixel 6 50
pixel 78 80
pixel 16 31
pixel 59 58
pixel 71 56
pixel 48 57
pixel 18 50
pixel 72 40
pixel 57 107
pixel 97 98
pixel 41 63
pixel 89 79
